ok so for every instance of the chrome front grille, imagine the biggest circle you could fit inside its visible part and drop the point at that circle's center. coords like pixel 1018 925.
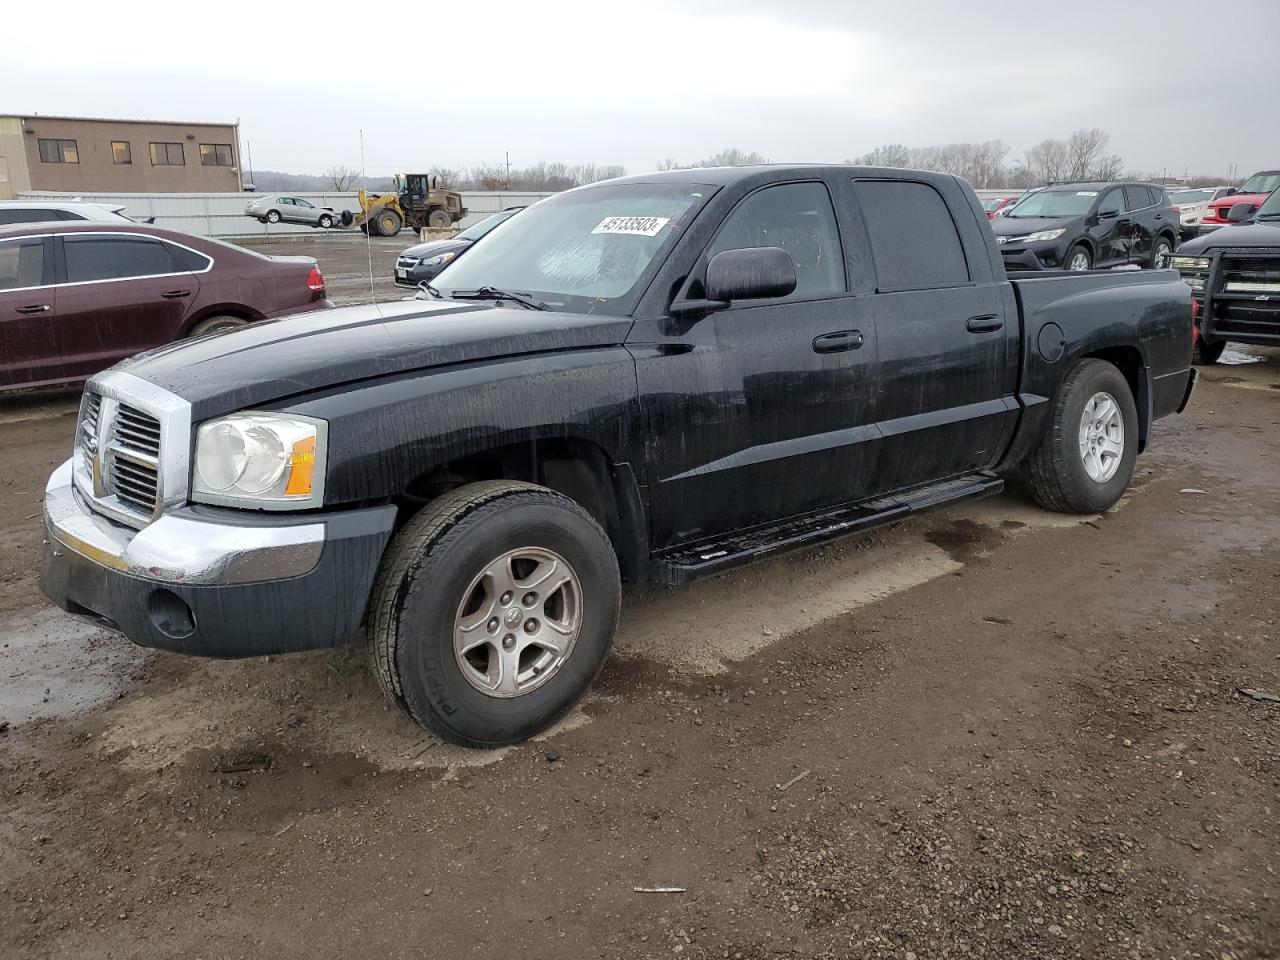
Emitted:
pixel 406 263
pixel 133 459
pixel 131 454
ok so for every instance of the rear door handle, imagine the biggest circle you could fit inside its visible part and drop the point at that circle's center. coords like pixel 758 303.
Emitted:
pixel 33 308
pixel 984 324
pixel 838 341
pixel 175 294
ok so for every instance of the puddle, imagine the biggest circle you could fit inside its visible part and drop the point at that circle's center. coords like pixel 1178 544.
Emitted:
pixel 52 665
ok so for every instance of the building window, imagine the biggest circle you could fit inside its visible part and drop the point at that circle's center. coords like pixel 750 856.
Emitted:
pixel 167 155
pixel 121 151
pixel 59 151
pixel 216 155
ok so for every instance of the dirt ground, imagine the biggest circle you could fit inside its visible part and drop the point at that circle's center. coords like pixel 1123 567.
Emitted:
pixel 988 732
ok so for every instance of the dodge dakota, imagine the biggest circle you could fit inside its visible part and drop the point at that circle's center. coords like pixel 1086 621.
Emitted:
pixel 654 378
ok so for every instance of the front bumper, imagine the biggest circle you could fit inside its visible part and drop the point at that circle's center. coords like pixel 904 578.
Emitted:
pixel 1045 255
pixel 415 275
pixel 210 581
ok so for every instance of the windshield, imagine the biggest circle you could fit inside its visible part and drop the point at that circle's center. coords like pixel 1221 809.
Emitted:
pixel 1192 196
pixel 1055 203
pixel 1270 207
pixel 586 250
pixel 478 230
pixel 1261 183
pixel 993 203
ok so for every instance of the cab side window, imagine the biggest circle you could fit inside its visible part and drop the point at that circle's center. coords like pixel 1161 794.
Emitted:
pixel 913 238
pixel 1112 202
pixel 799 218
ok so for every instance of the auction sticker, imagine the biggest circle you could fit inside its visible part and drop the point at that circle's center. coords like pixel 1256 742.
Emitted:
pixel 1086 193
pixel 632 226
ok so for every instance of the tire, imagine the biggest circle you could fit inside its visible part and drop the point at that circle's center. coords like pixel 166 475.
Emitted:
pixel 439 219
pixel 326 221
pixel 364 228
pixel 387 223
pixel 1078 259
pixel 1058 470
pixel 273 216
pixel 217 324
pixel 1206 354
pixel 1161 251
pixel 432 580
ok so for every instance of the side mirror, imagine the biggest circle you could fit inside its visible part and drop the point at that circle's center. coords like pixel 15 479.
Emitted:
pixel 1231 191
pixel 751 273
pixel 1239 212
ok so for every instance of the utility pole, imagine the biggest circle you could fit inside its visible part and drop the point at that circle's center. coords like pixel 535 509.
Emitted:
pixel 508 155
pixel 249 147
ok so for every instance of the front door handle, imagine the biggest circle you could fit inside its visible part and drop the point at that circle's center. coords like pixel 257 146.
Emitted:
pixel 175 294
pixel 838 341
pixel 33 308
pixel 983 324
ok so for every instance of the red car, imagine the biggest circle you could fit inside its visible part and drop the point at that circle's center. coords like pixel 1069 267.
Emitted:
pixel 78 296
pixel 993 205
pixel 1255 190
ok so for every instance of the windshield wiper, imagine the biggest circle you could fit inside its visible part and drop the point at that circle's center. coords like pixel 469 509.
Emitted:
pixel 493 293
pixel 426 286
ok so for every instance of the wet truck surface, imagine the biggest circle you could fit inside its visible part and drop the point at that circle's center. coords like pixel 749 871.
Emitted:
pixel 654 378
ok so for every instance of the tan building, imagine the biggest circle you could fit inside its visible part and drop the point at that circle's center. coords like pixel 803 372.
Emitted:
pixel 117 156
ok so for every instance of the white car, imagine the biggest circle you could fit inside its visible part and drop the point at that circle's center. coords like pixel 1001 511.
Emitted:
pixel 1192 204
pixel 40 211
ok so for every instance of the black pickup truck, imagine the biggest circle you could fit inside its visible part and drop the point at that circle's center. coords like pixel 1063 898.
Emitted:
pixel 652 378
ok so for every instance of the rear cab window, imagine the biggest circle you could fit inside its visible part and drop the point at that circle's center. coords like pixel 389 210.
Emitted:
pixel 913 239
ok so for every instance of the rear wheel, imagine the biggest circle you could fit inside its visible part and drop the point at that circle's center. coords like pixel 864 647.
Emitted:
pixel 1206 353
pixel 326 221
pixel 217 324
pixel 1085 460
pixel 493 610
pixel 1161 253
pixel 1078 259
pixel 439 219
pixel 273 216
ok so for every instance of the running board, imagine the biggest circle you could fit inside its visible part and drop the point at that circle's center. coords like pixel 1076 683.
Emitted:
pixel 682 564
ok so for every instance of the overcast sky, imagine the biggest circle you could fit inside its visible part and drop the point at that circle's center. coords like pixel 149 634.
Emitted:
pixel 1177 84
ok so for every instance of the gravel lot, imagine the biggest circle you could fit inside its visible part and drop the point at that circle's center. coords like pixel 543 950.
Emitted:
pixel 988 732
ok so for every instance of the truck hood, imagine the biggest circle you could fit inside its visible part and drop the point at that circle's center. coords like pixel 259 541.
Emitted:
pixel 264 362
pixel 1265 234
pixel 1228 202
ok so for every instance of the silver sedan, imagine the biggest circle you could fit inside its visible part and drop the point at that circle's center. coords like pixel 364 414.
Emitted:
pixel 278 207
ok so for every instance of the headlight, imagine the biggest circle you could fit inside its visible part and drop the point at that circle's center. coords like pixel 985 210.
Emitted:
pixel 436 261
pixel 1191 264
pixel 1046 235
pixel 264 461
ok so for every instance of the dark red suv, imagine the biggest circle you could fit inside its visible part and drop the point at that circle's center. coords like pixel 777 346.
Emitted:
pixel 75 297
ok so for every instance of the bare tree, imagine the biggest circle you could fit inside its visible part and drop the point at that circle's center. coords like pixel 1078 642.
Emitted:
pixel 1048 160
pixel 1085 149
pixel 448 178
pixel 342 178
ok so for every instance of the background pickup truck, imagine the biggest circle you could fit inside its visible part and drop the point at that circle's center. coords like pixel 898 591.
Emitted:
pixel 657 377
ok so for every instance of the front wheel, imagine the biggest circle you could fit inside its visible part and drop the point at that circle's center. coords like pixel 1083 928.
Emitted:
pixel 1078 259
pixel 1206 354
pixel 326 221
pixel 439 219
pixel 1085 460
pixel 494 608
